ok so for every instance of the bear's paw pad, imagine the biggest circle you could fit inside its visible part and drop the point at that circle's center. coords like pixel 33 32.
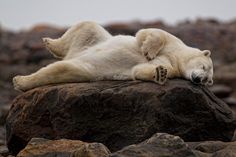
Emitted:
pixel 160 75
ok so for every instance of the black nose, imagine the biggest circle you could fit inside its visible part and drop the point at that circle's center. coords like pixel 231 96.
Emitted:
pixel 196 79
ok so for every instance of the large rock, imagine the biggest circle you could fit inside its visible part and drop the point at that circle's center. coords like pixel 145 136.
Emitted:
pixel 118 113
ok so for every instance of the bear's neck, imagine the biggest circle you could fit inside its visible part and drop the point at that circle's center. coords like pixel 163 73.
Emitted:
pixel 184 59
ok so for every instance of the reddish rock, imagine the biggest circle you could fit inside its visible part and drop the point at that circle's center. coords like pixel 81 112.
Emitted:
pixel 39 147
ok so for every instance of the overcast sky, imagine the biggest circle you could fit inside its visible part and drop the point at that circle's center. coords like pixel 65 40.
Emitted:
pixel 22 14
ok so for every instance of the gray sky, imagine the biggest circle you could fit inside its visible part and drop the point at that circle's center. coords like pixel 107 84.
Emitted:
pixel 22 14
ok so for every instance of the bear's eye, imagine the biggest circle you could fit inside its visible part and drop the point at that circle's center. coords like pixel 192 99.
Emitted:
pixel 203 67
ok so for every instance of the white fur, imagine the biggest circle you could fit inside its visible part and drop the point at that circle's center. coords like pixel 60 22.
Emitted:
pixel 90 53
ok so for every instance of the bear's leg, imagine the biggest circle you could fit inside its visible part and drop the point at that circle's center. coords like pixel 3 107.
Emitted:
pixel 150 72
pixel 78 38
pixel 58 72
pixel 56 47
pixel 150 41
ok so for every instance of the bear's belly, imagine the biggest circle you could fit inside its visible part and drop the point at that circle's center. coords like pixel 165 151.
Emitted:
pixel 111 64
pixel 114 55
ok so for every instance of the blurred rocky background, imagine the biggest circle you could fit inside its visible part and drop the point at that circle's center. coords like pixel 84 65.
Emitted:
pixel 22 53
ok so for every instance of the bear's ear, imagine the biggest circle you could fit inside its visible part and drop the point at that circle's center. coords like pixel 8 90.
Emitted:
pixel 207 53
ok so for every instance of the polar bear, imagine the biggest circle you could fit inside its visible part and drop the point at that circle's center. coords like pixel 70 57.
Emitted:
pixel 90 53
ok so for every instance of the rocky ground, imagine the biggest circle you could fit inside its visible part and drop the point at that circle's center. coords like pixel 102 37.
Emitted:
pixel 23 52
pixel 159 145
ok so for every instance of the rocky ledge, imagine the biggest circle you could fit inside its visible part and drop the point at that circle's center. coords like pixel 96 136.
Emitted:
pixel 118 114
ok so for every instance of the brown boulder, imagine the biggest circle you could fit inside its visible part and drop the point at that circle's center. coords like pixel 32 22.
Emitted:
pixel 39 147
pixel 118 113
pixel 159 145
pixel 215 148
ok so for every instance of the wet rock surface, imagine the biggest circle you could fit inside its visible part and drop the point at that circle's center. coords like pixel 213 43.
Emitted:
pixel 118 113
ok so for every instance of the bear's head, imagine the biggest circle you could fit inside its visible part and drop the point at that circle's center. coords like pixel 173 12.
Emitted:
pixel 199 68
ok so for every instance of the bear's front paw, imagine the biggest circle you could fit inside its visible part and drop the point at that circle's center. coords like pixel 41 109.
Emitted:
pixel 151 46
pixel 17 83
pixel 147 49
pixel 160 76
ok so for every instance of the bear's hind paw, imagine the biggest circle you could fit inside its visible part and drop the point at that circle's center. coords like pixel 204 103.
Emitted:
pixel 16 83
pixel 46 42
pixel 160 76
